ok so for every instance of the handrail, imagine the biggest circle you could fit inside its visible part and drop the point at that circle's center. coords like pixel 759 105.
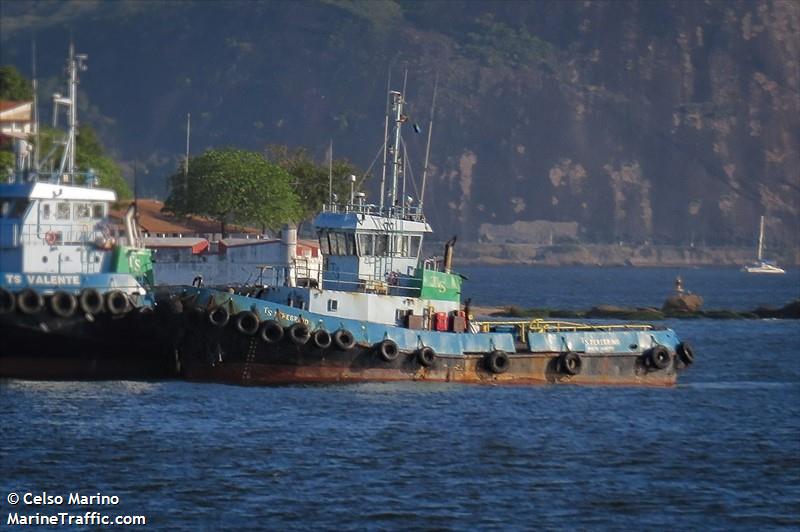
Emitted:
pixel 541 326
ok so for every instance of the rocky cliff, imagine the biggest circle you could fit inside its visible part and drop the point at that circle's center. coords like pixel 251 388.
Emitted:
pixel 660 122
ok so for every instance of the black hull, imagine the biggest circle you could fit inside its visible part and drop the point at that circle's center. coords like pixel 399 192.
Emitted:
pixel 42 347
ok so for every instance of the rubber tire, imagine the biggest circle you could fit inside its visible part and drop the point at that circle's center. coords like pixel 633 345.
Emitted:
pixel 7 302
pixel 29 301
pixel 686 353
pixel 90 301
pixel 344 340
pixel 426 356
pixel 299 333
pixel 498 362
pixel 322 339
pixel 388 350
pixel 117 303
pixel 659 357
pixel 570 363
pixel 219 317
pixel 271 332
pixel 247 322
pixel 63 304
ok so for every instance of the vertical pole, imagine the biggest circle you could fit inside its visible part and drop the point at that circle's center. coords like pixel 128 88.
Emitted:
pixel 73 109
pixel 188 132
pixel 428 145
pixel 330 172
pixel 35 108
pixel 386 135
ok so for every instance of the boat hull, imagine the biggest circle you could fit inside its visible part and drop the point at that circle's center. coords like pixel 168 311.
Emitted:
pixel 41 347
pixel 213 355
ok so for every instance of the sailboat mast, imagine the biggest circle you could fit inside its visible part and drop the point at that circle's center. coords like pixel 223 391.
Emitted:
pixel 761 240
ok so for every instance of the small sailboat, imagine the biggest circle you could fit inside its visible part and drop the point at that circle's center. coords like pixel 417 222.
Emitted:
pixel 762 265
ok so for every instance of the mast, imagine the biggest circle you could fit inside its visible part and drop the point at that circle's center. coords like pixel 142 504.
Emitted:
pixel 34 85
pixel 74 64
pixel 397 107
pixel 428 144
pixel 188 132
pixel 761 239
pixel 330 172
pixel 386 134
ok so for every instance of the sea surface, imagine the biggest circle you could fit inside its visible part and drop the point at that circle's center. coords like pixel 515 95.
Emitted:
pixel 719 451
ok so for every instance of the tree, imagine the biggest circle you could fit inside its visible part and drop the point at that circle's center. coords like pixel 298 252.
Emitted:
pixel 310 179
pixel 234 186
pixel 89 155
pixel 13 86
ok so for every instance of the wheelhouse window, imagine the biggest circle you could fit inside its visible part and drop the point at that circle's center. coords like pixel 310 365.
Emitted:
pixel 324 246
pixel 63 211
pixel 381 245
pixel 98 211
pixel 365 244
pixel 337 243
pixel 414 243
pixel 13 208
pixel 82 211
pixel 46 214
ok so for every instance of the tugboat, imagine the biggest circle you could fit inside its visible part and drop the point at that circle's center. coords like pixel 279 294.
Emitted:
pixel 74 301
pixel 378 312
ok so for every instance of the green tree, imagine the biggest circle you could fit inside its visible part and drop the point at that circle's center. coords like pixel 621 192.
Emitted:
pixel 89 155
pixel 311 179
pixel 234 186
pixel 13 86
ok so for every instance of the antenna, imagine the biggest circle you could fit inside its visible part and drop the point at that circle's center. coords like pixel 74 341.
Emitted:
pixel 35 107
pixel 386 133
pixel 405 159
pixel 428 145
pixel 330 172
pixel 188 132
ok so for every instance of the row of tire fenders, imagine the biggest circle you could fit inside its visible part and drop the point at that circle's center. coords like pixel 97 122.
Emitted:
pixel 64 304
pixel 272 332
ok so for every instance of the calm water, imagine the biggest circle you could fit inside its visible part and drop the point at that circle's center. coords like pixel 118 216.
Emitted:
pixel 720 451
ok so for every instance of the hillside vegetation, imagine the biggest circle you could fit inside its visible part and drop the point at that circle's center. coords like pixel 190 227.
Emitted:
pixel 660 122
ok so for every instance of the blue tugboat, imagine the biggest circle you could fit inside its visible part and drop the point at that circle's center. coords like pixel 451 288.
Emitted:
pixel 379 313
pixel 74 301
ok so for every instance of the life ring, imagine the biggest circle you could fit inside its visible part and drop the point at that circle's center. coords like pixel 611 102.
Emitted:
pixel 7 301
pixel 344 340
pixel 570 363
pixel 90 301
pixel 271 332
pixel 685 352
pixel 63 304
pixel 29 301
pixel 322 338
pixel 247 322
pixel 388 350
pixel 299 333
pixel 51 238
pixel 117 302
pixel 498 362
pixel 659 357
pixel 219 317
pixel 426 356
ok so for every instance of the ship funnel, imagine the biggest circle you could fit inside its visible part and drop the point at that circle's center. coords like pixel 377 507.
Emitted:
pixel 448 254
pixel 289 245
